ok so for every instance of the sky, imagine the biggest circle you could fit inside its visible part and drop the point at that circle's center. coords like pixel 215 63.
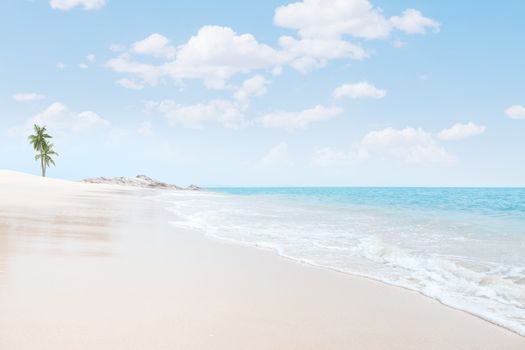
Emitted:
pixel 268 93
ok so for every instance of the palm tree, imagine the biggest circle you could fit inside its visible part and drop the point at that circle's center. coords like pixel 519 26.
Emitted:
pixel 46 157
pixel 41 145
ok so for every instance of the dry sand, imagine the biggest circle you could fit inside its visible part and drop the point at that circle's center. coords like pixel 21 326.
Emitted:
pixel 86 266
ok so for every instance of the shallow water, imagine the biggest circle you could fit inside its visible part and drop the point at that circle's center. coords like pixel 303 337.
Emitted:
pixel 462 246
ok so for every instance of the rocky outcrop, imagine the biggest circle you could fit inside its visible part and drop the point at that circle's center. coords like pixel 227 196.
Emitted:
pixel 139 181
pixel 193 188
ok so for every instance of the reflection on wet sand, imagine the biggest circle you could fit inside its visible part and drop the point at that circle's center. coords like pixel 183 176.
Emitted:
pixel 4 246
pixel 71 224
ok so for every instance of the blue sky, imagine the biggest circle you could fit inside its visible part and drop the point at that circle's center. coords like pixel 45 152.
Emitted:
pixel 273 93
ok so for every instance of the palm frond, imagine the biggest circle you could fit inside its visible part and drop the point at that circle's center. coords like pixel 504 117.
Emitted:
pixel 50 160
pixel 42 146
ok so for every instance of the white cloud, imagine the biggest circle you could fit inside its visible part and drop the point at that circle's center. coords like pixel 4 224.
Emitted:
pixel 156 45
pixel 409 145
pixel 255 86
pixel 277 157
pixel 214 55
pixel 224 112
pixel 460 131
pixel 129 84
pixel 148 73
pixel 145 129
pixel 358 90
pixel 298 120
pixel 59 116
pixel 323 24
pixel 60 65
pixel 66 5
pixel 412 21
pixel 328 157
pixel 91 58
pixel 515 112
pixel 333 18
pixel 308 53
pixel 28 97
pixel 83 66
pixel 330 19
pixel 88 119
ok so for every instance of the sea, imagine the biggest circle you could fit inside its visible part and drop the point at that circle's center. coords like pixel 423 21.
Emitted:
pixel 464 247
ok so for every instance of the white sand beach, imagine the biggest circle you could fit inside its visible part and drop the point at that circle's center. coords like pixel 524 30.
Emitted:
pixel 90 266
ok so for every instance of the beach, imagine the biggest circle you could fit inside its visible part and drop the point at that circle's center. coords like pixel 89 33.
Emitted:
pixel 90 266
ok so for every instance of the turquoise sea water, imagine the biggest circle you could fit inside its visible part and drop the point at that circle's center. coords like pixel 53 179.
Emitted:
pixel 462 246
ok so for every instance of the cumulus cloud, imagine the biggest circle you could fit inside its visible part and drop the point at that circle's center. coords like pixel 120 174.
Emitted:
pixel 358 18
pixel 322 25
pixel 28 97
pixel 308 53
pixel 358 90
pixel 408 145
pixel 66 5
pixel 255 86
pixel 515 112
pixel 460 131
pixel 156 45
pixel 214 55
pixel 129 84
pixel 223 112
pixel 298 120
pixel 59 116
pixel 277 157
pixel 412 21
pixel 91 58
pixel 333 18
pixel 148 73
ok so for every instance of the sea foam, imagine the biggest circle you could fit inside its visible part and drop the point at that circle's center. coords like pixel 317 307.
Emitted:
pixel 463 247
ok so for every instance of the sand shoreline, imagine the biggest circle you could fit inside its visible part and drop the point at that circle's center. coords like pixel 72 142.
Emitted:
pixel 91 266
pixel 354 275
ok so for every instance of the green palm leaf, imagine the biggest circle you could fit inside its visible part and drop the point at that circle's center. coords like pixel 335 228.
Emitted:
pixel 44 149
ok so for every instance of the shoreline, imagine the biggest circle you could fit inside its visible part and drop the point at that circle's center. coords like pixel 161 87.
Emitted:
pixel 160 287
pixel 353 275
pixel 468 309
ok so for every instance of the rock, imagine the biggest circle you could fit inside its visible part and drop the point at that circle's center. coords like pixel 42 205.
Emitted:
pixel 138 181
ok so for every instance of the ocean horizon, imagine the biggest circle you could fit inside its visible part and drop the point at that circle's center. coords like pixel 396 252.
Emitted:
pixel 462 246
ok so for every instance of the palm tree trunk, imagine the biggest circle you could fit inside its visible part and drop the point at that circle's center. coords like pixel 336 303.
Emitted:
pixel 42 166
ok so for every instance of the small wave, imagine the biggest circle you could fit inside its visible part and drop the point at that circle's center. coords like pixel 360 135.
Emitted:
pixel 450 261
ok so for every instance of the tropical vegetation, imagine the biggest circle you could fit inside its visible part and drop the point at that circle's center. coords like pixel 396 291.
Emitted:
pixel 45 152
